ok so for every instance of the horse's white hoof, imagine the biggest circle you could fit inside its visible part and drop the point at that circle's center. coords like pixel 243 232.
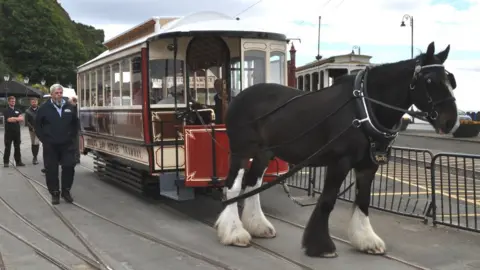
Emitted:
pixel 362 236
pixel 238 237
pixel 259 227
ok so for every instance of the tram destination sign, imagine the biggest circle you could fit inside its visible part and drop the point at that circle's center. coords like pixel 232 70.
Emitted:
pixel 127 151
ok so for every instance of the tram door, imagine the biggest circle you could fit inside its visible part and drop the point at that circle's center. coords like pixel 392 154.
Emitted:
pixel 208 72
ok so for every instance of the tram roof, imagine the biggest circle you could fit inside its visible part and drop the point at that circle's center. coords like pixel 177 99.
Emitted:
pixel 200 23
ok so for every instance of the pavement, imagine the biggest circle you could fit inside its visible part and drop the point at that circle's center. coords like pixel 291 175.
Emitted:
pixel 406 238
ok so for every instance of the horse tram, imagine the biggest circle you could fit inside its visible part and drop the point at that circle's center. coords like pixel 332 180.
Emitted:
pixel 177 105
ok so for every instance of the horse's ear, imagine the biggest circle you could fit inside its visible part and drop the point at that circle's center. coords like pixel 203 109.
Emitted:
pixel 442 56
pixel 430 50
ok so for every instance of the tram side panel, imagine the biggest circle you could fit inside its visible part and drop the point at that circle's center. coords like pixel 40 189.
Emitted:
pixel 207 157
pixel 116 134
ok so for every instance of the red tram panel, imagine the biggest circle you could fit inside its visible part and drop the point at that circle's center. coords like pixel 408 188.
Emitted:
pixel 199 156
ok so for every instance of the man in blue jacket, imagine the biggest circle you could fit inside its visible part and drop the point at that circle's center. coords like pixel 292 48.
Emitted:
pixel 56 126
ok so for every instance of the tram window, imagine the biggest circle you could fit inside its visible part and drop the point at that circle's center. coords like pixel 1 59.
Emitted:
pixel 235 77
pixel 87 89
pixel 254 68
pixel 161 77
pixel 137 94
pixel 107 84
pixel 277 67
pixel 93 88
pixel 100 87
pixel 116 84
pixel 126 82
pixel 81 87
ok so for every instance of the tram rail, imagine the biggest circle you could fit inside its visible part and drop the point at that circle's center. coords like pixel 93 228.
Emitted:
pixel 100 265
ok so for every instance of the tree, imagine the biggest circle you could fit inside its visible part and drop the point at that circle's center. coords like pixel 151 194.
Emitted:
pixel 38 39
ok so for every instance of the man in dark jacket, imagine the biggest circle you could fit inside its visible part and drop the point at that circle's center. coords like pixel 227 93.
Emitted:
pixel 30 115
pixel 13 117
pixel 56 127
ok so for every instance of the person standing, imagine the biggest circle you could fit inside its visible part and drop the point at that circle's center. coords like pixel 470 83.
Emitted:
pixel 56 126
pixel 31 114
pixel 13 117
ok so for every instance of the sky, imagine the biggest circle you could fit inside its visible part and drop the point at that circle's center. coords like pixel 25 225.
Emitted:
pixel 372 25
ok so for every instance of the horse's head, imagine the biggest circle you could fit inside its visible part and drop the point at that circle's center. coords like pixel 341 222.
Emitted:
pixel 432 90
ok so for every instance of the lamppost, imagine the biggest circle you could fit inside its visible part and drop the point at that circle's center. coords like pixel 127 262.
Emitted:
pixel 6 78
pixel 25 81
pixel 410 18
pixel 43 82
pixel 69 85
pixel 357 48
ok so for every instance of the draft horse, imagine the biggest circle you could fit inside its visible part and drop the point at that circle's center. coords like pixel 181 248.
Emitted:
pixel 353 123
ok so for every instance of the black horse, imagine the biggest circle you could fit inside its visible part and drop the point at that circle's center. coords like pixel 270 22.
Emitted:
pixel 347 125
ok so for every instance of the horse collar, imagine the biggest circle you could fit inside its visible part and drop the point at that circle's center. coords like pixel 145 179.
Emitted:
pixel 380 138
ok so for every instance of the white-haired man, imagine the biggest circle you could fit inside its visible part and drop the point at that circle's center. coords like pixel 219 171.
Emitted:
pixel 56 126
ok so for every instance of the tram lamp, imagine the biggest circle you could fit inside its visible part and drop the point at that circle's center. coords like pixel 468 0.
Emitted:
pixel 43 82
pixel 6 77
pixel 26 80
pixel 410 18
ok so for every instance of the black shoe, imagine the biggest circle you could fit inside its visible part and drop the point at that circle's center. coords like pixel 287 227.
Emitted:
pixel 55 198
pixel 19 164
pixel 6 165
pixel 35 161
pixel 67 196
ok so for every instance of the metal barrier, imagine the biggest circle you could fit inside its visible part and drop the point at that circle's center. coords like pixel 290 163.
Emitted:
pixel 455 183
pixel 415 183
pixel 401 186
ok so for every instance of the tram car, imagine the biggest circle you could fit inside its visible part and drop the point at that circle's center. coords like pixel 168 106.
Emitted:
pixel 152 106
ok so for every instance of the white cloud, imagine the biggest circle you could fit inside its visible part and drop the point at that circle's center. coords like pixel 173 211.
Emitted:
pixel 370 22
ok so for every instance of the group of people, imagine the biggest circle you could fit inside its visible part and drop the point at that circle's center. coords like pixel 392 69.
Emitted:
pixel 56 125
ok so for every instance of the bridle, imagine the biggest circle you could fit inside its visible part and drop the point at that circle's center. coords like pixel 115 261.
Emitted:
pixel 433 113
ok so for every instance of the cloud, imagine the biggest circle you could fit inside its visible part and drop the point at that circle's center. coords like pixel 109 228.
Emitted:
pixel 374 25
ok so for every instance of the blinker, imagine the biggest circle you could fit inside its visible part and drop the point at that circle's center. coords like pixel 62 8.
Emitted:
pixel 451 79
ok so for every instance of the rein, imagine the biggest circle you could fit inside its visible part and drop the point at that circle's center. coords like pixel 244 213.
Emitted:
pixel 360 81
pixel 360 92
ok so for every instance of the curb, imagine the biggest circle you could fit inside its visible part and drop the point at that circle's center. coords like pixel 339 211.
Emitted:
pixel 441 138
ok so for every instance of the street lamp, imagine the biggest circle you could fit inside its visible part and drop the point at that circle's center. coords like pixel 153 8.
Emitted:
pixel 6 78
pixel 26 80
pixel 43 82
pixel 410 18
pixel 356 47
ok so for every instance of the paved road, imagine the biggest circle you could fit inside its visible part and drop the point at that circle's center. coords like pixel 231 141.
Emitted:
pixel 433 143
pixel 122 249
pixel 113 231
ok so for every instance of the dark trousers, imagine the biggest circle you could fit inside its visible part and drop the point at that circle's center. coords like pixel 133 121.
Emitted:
pixel 8 139
pixel 77 148
pixel 55 155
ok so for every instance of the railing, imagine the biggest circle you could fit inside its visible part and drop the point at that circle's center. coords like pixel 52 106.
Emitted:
pixel 415 183
pixel 455 186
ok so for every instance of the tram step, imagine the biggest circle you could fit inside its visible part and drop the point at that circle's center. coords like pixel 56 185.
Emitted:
pixel 171 187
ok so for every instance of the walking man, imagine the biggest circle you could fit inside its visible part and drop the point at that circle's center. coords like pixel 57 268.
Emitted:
pixel 31 114
pixel 13 117
pixel 56 126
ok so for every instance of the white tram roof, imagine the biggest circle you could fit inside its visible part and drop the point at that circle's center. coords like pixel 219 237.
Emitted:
pixel 206 21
